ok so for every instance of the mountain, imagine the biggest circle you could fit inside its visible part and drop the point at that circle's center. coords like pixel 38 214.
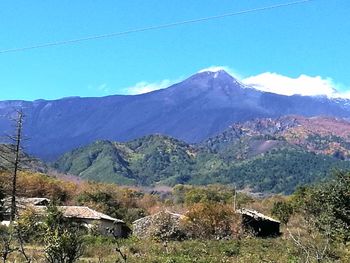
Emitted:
pixel 274 155
pixel 193 110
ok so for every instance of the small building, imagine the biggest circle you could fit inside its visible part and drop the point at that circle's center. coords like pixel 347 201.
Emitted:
pixel 164 224
pixel 91 219
pixel 259 224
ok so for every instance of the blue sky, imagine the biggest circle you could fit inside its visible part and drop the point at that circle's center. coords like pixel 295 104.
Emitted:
pixel 310 40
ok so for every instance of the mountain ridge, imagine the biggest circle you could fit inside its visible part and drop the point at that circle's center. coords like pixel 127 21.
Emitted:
pixel 193 110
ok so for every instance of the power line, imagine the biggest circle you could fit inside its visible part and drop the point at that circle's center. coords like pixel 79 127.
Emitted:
pixel 138 30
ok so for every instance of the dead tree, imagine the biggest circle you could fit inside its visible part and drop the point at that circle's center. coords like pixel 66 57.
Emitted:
pixel 11 155
pixel 17 139
pixel 12 160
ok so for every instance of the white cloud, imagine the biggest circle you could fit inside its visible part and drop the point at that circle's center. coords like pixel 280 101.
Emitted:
pixel 145 87
pixel 302 85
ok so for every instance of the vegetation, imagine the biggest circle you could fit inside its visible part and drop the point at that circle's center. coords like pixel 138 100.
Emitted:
pixel 144 161
pixel 281 171
pixel 328 206
pixel 63 240
pixel 211 220
pixel 260 163
pixel 282 211
pixel 317 228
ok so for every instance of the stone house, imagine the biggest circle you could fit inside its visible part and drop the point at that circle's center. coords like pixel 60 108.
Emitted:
pixel 91 219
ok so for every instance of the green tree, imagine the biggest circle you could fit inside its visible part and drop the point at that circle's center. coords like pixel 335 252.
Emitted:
pixel 329 206
pixel 210 194
pixel 63 240
pixel 282 210
pixel 62 246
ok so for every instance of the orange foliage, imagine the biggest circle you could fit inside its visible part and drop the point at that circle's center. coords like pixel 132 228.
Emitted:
pixel 39 185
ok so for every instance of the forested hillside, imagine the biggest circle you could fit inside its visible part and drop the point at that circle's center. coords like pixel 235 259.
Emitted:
pixel 144 161
pixel 265 155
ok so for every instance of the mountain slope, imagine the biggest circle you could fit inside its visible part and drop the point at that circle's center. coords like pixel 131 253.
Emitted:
pixel 143 161
pixel 100 160
pixel 274 155
pixel 325 135
pixel 199 107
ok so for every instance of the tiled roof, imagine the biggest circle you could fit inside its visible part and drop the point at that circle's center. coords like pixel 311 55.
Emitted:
pixel 81 212
pixel 85 212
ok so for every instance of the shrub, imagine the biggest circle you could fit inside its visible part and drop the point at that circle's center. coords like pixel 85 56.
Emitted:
pixel 282 210
pixel 208 220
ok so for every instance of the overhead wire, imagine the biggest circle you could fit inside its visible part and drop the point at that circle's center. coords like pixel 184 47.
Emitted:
pixel 156 27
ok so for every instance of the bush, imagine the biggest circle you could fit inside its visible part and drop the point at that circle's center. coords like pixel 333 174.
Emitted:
pixel 282 210
pixel 208 220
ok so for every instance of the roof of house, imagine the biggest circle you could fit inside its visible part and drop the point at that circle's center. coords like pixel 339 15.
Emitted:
pixel 256 215
pixel 86 212
pixel 82 212
pixel 38 204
